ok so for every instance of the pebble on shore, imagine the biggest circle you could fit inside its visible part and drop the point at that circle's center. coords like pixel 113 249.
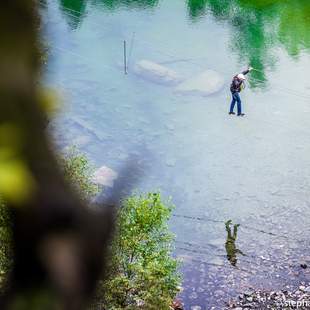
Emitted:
pixel 288 298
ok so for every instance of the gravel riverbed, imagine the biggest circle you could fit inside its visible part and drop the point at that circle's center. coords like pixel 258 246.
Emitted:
pixel 288 298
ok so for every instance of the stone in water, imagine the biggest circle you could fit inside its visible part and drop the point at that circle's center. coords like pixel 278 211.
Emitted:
pixel 205 84
pixel 105 176
pixel 156 73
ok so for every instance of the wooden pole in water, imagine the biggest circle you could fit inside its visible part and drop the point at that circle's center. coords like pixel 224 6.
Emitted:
pixel 125 58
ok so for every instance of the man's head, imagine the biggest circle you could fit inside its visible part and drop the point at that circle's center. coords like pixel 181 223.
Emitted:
pixel 241 77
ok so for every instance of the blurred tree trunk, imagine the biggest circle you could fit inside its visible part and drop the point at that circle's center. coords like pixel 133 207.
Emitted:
pixel 59 244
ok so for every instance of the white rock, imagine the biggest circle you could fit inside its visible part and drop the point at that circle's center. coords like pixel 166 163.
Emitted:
pixel 204 84
pixel 105 176
pixel 156 73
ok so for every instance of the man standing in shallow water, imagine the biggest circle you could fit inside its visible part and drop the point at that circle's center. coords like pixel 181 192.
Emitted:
pixel 237 85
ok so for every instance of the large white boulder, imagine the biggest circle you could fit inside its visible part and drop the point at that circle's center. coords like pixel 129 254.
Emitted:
pixel 156 73
pixel 105 176
pixel 204 84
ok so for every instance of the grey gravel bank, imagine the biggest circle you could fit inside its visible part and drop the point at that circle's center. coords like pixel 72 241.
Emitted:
pixel 288 298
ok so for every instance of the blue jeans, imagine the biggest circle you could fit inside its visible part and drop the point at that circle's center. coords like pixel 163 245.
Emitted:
pixel 235 98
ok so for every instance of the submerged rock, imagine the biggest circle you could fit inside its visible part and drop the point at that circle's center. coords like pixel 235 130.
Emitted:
pixel 105 176
pixel 156 73
pixel 204 84
pixel 288 298
pixel 82 140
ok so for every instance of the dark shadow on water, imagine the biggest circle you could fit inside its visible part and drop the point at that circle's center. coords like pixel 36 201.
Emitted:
pixel 74 11
pixel 230 245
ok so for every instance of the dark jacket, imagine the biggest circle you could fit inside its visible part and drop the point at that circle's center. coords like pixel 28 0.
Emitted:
pixel 236 84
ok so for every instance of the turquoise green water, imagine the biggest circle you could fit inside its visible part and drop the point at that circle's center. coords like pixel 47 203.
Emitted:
pixel 254 171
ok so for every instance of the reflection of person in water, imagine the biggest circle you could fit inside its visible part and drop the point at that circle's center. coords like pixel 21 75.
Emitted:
pixel 230 245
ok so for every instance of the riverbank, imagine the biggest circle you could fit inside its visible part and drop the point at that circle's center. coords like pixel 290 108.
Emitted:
pixel 218 285
pixel 289 298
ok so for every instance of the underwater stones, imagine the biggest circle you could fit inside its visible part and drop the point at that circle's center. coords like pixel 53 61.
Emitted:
pixel 105 176
pixel 156 73
pixel 264 299
pixel 204 84
pixel 82 140
pixel 87 129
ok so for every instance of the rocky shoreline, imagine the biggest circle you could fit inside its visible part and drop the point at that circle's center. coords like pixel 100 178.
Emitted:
pixel 288 298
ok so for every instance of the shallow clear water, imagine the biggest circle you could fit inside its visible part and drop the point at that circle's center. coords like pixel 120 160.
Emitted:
pixel 254 170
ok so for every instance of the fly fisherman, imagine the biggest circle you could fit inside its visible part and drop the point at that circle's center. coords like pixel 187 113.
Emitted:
pixel 237 85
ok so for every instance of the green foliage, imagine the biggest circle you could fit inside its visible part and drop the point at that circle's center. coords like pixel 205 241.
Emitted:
pixel 78 172
pixel 143 274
